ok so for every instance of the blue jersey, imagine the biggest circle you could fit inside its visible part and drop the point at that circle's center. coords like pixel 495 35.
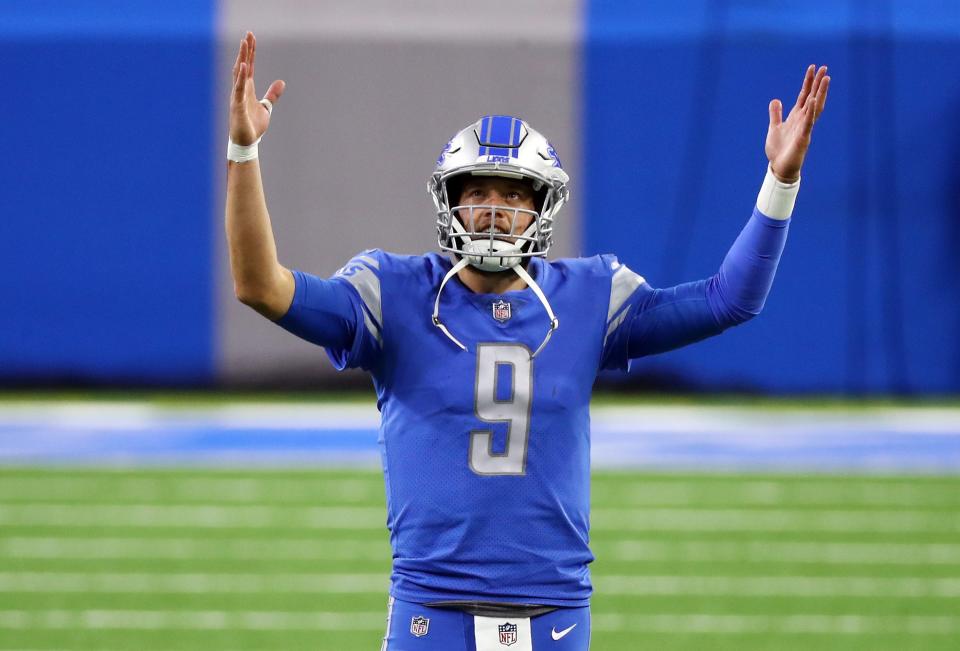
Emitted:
pixel 486 452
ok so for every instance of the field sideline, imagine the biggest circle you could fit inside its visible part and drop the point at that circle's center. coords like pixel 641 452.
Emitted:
pixel 601 398
pixel 166 556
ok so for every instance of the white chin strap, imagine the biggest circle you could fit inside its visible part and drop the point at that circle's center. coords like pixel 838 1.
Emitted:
pixel 520 271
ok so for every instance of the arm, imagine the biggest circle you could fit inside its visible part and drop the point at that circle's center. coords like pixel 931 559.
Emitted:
pixel 328 313
pixel 260 281
pixel 669 318
pixel 343 314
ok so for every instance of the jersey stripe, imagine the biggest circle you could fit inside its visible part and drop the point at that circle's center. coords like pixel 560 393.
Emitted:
pixel 367 284
pixel 366 259
pixel 622 286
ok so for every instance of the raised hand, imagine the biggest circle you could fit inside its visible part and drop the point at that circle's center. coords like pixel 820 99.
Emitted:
pixel 249 118
pixel 788 141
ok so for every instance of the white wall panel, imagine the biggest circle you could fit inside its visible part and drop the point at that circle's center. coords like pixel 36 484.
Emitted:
pixel 374 90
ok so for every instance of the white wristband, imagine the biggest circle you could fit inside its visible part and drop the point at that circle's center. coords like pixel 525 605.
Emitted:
pixel 240 153
pixel 776 198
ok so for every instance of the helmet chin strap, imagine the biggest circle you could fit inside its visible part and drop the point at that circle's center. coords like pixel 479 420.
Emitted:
pixel 436 304
pixel 522 273
pixel 554 321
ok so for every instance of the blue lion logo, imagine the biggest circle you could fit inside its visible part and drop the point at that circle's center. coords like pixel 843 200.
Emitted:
pixel 443 152
pixel 553 154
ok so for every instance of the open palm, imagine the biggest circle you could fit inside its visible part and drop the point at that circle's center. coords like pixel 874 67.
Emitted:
pixel 249 117
pixel 788 140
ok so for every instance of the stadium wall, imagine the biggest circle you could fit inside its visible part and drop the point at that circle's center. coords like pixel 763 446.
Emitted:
pixel 865 299
pixel 107 192
pixel 115 270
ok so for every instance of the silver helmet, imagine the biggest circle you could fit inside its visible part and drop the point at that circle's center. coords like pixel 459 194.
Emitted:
pixel 497 145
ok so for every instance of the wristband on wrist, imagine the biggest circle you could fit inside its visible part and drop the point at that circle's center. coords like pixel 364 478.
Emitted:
pixel 776 198
pixel 242 153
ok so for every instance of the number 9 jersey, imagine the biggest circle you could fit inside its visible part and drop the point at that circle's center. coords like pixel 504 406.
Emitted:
pixel 485 452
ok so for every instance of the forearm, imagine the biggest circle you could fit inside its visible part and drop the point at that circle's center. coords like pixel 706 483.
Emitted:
pixel 259 279
pixel 739 289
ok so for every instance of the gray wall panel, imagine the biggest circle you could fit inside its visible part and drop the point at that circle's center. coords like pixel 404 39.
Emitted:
pixel 356 134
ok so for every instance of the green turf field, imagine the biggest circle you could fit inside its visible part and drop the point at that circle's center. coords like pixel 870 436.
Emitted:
pixel 294 559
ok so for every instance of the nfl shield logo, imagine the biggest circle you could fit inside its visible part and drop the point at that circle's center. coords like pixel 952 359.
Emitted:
pixel 419 625
pixel 508 633
pixel 501 311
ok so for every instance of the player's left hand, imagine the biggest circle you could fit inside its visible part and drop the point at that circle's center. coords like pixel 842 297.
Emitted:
pixel 788 141
pixel 250 117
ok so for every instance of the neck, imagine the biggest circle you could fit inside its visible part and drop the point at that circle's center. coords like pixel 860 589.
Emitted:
pixel 490 282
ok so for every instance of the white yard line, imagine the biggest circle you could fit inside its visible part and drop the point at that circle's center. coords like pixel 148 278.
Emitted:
pixel 820 491
pixel 817 553
pixel 345 517
pixel 781 586
pixel 292 549
pixel 206 620
pixel 680 624
pixel 199 516
pixel 851 624
pixel 191 549
pixel 728 519
pixel 378 583
pixel 646 492
pixel 193 583
pixel 189 489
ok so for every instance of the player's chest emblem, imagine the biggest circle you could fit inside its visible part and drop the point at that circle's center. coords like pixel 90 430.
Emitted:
pixel 501 311
pixel 419 625
pixel 508 633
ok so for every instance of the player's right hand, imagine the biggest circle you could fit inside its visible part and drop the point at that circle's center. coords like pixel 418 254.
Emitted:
pixel 249 118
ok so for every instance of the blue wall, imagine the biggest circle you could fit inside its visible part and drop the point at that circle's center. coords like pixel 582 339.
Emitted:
pixel 107 191
pixel 675 119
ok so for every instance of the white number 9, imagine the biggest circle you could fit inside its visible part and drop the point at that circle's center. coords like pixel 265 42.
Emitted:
pixel 515 411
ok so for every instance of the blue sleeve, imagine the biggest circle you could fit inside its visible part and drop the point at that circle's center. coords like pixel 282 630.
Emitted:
pixel 657 320
pixel 341 314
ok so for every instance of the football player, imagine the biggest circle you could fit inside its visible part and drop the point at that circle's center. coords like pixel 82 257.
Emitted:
pixel 484 359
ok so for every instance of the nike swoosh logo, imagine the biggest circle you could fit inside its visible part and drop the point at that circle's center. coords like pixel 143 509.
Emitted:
pixel 556 635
